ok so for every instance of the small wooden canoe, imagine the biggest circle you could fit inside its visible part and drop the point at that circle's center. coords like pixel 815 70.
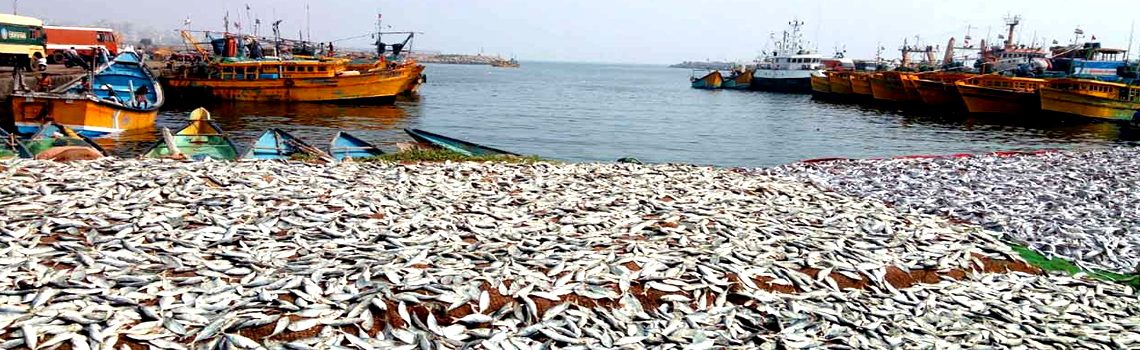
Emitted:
pixel 52 134
pixel 459 146
pixel 199 139
pixel 344 146
pixel 11 147
pixel 278 144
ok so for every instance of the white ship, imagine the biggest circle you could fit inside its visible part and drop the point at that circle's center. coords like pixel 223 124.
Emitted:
pixel 789 68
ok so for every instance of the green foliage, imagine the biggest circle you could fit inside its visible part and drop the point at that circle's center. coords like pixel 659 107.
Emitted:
pixel 1057 264
pixel 420 155
pixel 301 156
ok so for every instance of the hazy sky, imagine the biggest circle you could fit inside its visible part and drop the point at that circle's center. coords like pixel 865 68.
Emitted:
pixel 627 31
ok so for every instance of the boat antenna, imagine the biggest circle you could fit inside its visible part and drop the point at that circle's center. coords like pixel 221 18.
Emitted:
pixel 249 19
pixel 818 23
pixel 308 23
pixel 14 7
pixel 1128 52
pixel 226 19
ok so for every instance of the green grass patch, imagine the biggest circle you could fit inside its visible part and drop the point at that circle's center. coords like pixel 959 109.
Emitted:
pixel 442 155
pixel 302 156
pixel 1057 264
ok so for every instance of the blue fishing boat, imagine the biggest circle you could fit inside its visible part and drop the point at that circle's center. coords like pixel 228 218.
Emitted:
pixel 11 147
pixel 120 96
pixel 459 146
pixel 278 144
pixel 710 81
pixel 344 146
pixel 51 135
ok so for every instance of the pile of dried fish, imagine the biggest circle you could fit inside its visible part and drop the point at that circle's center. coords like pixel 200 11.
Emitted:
pixel 137 254
pixel 1083 206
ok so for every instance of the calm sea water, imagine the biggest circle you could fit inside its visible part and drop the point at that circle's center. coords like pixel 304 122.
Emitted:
pixel 602 112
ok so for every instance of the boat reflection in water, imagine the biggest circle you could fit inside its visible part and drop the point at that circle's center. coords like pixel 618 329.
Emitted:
pixel 314 123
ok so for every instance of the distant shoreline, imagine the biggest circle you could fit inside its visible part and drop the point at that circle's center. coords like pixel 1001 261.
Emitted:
pixel 704 65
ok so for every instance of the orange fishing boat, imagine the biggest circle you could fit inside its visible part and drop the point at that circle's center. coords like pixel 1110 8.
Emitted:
pixel 820 86
pixel 739 79
pixel 840 82
pixel 326 79
pixel 912 96
pixel 888 86
pixel 861 84
pixel 1000 94
pixel 710 81
pixel 937 89
pixel 1092 99
pixel 123 96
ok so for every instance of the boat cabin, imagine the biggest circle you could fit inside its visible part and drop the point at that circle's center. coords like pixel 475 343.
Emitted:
pixel 1120 92
pixel 797 62
pixel 1007 83
pixel 256 70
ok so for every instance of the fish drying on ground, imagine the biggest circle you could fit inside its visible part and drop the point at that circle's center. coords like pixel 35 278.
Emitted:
pixel 174 255
pixel 1083 206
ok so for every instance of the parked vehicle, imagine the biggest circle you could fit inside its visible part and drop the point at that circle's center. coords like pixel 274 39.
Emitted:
pixel 21 41
pixel 84 40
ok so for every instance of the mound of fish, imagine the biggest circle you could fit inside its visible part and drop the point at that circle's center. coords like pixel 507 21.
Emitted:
pixel 155 254
pixel 1083 206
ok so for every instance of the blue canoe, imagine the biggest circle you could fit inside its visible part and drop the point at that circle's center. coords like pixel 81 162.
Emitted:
pixel 53 134
pixel 458 146
pixel 345 145
pixel 11 147
pixel 277 144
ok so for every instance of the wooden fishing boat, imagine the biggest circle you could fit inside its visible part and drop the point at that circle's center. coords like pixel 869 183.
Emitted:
pixel 712 80
pixel 55 135
pixel 1092 99
pixel 373 66
pixel 910 90
pixel 416 71
pixel 861 84
pixel 938 89
pixel 321 80
pixel 840 83
pixel 200 138
pixel 888 86
pixel 11 147
pixel 278 144
pixel 459 146
pixel 512 63
pixel 344 146
pixel 738 80
pixel 820 86
pixel 123 96
pixel 1000 94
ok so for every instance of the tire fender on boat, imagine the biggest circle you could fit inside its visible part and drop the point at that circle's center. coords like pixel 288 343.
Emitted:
pixel 289 83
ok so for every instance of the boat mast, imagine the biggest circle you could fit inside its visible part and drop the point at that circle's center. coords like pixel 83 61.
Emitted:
pixel 1128 52
pixel 1012 22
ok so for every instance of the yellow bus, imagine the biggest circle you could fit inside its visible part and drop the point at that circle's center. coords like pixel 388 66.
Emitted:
pixel 22 41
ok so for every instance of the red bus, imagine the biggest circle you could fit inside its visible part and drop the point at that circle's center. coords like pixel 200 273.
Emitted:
pixel 59 39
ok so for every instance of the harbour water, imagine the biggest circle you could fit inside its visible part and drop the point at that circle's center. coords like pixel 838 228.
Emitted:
pixel 602 112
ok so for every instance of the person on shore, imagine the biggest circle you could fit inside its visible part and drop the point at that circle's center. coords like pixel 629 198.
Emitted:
pixel 74 57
